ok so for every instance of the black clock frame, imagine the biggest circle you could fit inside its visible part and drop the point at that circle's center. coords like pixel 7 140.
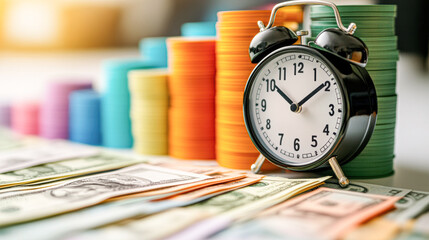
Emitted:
pixel 360 108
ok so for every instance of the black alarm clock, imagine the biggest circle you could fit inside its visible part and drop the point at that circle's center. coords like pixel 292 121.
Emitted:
pixel 308 107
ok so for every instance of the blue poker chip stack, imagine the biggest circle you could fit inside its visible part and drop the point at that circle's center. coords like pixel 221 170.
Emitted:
pixel 85 117
pixel 154 50
pixel 199 29
pixel 115 102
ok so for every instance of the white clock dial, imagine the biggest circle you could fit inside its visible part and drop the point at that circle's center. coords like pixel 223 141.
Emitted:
pixel 296 108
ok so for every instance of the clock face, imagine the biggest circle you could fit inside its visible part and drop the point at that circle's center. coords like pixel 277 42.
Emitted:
pixel 295 108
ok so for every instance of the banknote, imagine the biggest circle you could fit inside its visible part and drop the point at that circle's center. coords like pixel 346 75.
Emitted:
pixel 184 188
pixel 244 201
pixel 107 213
pixel 67 168
pixel 410 206
pixel 42 152
pixel 387 226
pixel 421 224
pixel 416 229
pixel 321 214
pixel 361 187
pixel 88 191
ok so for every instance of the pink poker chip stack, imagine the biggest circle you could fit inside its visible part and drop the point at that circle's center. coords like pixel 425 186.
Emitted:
pixel 54 111
pixel 25 118
pixel 5 112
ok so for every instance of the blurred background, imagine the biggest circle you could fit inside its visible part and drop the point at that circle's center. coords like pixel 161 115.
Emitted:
pixel 45 39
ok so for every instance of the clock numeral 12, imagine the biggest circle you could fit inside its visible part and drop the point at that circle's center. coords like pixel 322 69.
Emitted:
pixel 300 66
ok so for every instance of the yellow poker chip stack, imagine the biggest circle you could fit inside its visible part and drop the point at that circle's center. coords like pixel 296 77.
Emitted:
pixel 235 30
pixel 192 68
pixel 149 110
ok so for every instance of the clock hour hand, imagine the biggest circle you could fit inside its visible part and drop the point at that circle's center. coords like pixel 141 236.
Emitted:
pixel 320 87
pixel 284 95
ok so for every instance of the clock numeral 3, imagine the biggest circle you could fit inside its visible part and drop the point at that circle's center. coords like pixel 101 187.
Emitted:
pixel 298 67
pixel 332 111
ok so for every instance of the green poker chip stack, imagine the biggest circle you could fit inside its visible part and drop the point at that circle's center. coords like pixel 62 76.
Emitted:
pixel 376 27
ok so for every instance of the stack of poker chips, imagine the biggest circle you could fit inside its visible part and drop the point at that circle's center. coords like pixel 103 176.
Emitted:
pixel 25 118
pixel 192 68
pixel 199 29
pixel 115 102
pixel 376 27
pixel 149 110
pixel 54 110
pixel 5 112
pixel 84 121
pixel 154 50
pixel 235 30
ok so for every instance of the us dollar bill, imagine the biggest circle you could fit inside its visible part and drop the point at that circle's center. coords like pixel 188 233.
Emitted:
pixel 410 206
pixel 108 213
pixel 67 168
pixel 412 203
pixel 321 214
pixel 88 191
pixel 235 204
pixel 361 187
pixel 42 152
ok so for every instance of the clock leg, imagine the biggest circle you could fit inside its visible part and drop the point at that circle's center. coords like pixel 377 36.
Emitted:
pixel 342 179
pixel 256 167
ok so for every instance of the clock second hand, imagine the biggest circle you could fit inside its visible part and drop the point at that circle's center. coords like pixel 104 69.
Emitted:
pixel 320 87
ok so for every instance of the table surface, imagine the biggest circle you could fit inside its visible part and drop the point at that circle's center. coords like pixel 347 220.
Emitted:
pixel 23 76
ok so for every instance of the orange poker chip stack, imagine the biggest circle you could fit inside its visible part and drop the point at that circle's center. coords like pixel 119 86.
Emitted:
pixel 235 30
pixel 192 64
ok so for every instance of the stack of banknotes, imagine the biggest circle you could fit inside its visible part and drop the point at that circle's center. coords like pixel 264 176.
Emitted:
pixel 52 189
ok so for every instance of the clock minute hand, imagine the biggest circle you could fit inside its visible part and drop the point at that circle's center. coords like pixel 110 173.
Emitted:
pixel 284 96
pixel 320 87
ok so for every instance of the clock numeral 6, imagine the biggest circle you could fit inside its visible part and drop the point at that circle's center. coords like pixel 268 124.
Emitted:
pixel 296 144
pixel 332 111
pixel 271 85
